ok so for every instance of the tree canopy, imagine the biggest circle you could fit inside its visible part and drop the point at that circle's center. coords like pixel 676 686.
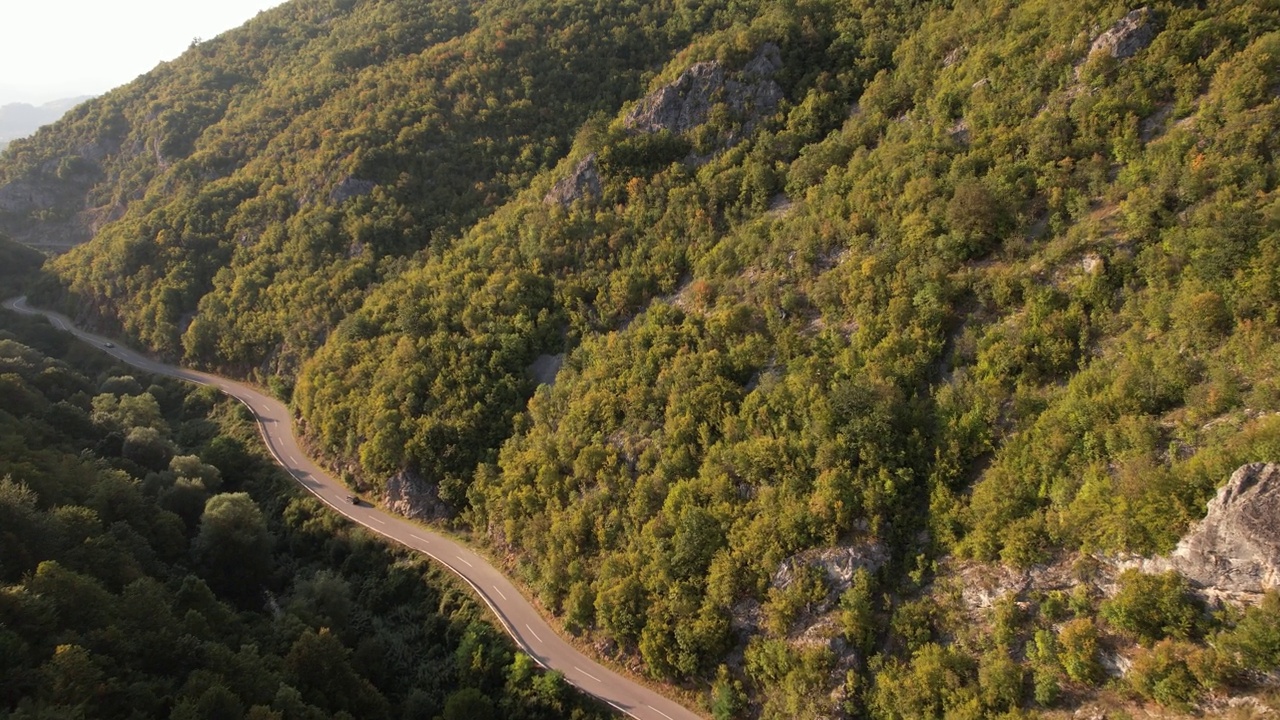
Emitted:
pixel 969 282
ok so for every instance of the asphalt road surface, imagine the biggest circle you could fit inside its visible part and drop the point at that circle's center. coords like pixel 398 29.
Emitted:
pixel 521 621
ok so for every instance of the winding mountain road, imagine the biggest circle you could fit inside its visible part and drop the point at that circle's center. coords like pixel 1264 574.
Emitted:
pixel 520 619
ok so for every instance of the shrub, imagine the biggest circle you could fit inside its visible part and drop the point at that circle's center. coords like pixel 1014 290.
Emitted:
pixel 1162 674
pixel 1255 641
pixel 1153 607
pixel 1078 651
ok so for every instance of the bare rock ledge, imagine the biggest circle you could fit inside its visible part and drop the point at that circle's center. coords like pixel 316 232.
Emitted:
pixel 1236 548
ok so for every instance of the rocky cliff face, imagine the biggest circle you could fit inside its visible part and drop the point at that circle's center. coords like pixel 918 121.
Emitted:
pixel 750 94
pixel 1131 33
pixel 348 188
pixel 583 182
pixel 60 227
pixel 1233 554
pixel 49 207
pixel 838 564
pixel 411 496
pixel 1236 548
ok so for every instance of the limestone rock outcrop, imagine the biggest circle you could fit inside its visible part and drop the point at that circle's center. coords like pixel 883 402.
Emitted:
pixel 67 223
pixel 683 105
pixel 348 188
pixel 583 182
pixel 411 496
pixel 1131 33
pixel 1236 548
pixel 838 563
pixel 545 368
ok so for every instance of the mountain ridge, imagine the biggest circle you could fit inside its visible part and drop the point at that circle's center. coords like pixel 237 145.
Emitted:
pixel 21 119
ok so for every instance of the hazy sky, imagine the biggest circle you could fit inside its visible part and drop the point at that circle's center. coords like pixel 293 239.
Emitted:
pixel 51 49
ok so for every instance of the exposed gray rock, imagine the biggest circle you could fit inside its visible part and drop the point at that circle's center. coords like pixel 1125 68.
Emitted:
pixel 545 368
pixel 58 194
pixel 583 182
pixel 1156 123
pixel 839 563
pixel 980 585
pixel 413 497
pixel 1236 548
pixel 765 64
pixel 682 105
pixel 1131 33
pixel 687 103
pixel 25 196
pixel 746 617
pixel 350 187
pixel 62 227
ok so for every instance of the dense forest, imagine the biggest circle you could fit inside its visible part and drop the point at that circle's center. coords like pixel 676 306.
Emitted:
pixel 929 286
pixel 155 563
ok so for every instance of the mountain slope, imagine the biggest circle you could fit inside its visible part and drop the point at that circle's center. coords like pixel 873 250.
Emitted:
pixel 321 139
pixel 853 298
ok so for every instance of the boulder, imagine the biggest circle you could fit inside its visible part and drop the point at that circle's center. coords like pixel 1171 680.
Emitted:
pixel 1236 548
pixel 583 182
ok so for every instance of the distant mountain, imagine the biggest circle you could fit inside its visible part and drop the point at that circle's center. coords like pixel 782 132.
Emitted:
pixel 20 119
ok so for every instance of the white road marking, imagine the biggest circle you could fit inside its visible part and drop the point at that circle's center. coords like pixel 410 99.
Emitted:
pixel 464 560
pixel 378 520
pixel 419 538
pixel 495 589
pixel 668 717
pixel 531 632
pixel 584 672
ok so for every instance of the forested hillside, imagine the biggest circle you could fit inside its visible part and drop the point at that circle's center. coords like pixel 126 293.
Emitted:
pixel 855 299
pixel 153 563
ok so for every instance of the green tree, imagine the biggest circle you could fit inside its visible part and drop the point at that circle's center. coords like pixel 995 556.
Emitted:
pixel 1078 651
pixel 857 611
pixel 72 678
pixel 999 682
pixel 233 546
pixel 727 698
pixel 1161 673
pixel 1255 639
pixel 469 704
pixel 938 682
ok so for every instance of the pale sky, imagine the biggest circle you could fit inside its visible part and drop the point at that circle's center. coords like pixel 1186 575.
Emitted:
pixel 52 49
